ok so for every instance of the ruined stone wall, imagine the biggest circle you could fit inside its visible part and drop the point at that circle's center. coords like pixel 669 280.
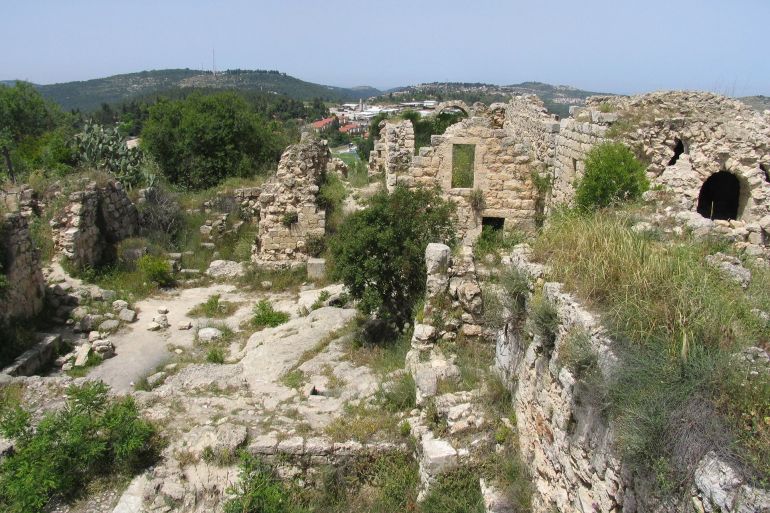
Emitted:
pixel 716 134
pixel 502 172
pixel 568 445
pixel 95 218
pixel 24 292
pixel 577 135
pixel 393 151
pixel 528 120
pixel 288 214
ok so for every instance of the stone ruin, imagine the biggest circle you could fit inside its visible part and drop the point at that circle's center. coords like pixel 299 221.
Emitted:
pixel 94 220
pixel 708 152
pixel 289 216
pixel 393 151
pixel 24 294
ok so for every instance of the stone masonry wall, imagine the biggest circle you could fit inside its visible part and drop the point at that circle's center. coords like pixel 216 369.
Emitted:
pixel 502 172
pixel 393 151
pixel 716 134
pixel 95 218
pixel 292 193
pixel 25 287
pixel 566 441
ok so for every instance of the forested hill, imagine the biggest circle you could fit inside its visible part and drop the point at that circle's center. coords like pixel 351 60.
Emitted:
pixel 91 94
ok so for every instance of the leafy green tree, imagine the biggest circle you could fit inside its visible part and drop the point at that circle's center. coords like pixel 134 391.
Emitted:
pixel 201 140
pixel 365 146
pixel 23 114
pixel 612 175
pixel 379 252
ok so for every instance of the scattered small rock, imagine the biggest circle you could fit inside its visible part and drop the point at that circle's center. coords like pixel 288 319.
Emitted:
pixel 127 315
pixel 208 334
pixel 184 325
pixel 109 325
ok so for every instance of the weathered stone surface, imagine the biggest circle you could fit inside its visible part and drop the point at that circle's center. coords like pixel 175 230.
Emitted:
pixel 25 287
pixel 127 315
pixel 225 269
pixel 438 456
pixel 109 325
pixel 82 355
pixel 316 268
pixel 208 334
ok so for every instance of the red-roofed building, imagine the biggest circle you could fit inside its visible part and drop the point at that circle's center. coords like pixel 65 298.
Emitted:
pixel 324 124
pixel 352 129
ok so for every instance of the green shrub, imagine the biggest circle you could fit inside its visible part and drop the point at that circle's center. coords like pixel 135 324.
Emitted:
pixel 266 316
pixel 214 308
pixel 612 175
pixel 477 201
pixel 91 436
pixel 379 252
pixel 215 355
pixel 156 270
pixel 203 139
pixel 289 219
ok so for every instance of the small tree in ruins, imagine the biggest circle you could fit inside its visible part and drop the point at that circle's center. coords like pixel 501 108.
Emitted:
pixel 379 252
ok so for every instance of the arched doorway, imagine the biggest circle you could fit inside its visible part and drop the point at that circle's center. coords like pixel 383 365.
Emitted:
pixel 719 196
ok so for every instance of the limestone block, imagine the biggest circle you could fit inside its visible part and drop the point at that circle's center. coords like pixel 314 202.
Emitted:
pixel 316 268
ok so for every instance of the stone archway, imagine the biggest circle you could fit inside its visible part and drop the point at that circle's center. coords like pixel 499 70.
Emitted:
pixel 720 196
pixel 453 105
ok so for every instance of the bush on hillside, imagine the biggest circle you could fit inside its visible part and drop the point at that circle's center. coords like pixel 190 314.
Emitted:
pixel 201 140
pixel 379 252
pixel 91 436
pixel 156 269
pixel 612 175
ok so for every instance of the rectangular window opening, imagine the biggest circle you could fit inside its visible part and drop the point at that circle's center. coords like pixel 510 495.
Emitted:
pixel 463 156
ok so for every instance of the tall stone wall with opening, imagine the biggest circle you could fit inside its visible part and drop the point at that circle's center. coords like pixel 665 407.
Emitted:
pixel 501 173
pixel 95 219
pixel 24 291
pixel 289 216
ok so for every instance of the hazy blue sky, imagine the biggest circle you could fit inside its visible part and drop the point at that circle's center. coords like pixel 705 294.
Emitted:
pixel 602 45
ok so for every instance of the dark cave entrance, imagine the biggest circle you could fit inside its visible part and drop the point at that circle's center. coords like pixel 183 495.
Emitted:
pixel 719 196
pixel 492 223
pixel 679 149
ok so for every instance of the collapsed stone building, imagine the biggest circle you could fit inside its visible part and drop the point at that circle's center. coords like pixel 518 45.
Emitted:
pixel 710 153
pixel 289 214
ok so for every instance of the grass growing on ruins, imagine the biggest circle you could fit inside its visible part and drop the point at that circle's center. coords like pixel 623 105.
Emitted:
pixel 214 308
pixel 492 243
pixel 91 436
pixel 677 391
pixel 456 491
pixel 257 278
pixel 462 165
pixel 266 316
pixel 363 422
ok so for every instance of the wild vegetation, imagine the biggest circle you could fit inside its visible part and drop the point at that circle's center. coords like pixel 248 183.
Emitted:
pixel 612 175
pixel 56 458
pixel 679 390
pixel 379 252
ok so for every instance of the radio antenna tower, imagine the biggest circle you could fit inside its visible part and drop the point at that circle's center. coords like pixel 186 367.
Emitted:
pixel 213 63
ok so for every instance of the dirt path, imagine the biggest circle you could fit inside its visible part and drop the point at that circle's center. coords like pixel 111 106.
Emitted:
pixel 139 351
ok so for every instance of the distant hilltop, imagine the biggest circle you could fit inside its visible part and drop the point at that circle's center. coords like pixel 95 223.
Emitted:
pixel 88 95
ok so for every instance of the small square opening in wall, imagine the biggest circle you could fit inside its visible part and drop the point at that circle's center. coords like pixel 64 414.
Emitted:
pixel 463 157
pixel 493 223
